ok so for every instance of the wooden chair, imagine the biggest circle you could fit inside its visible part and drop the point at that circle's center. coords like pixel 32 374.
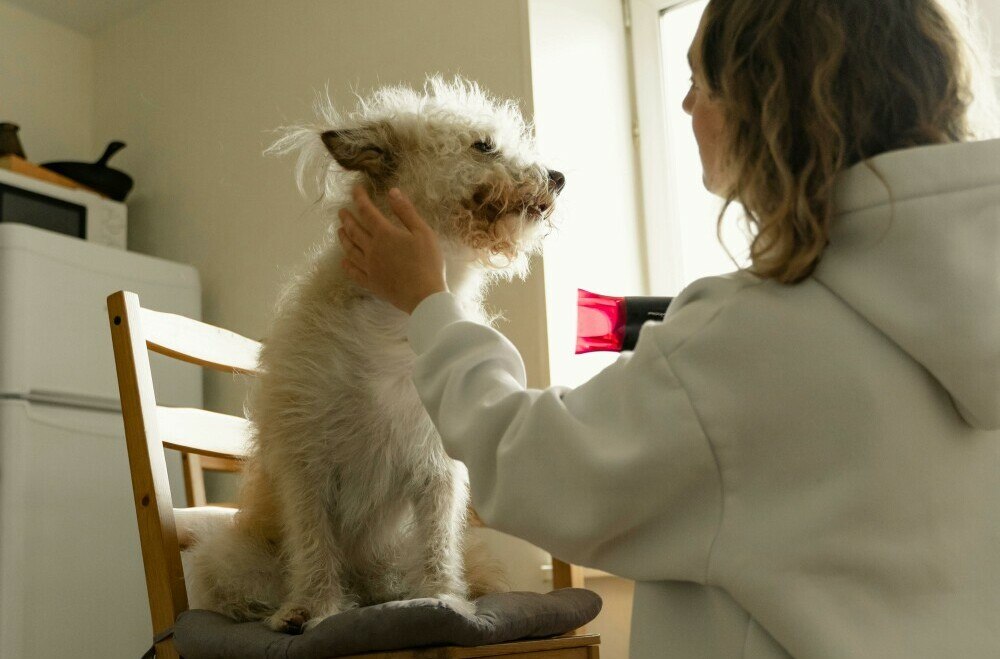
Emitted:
pixel 208 436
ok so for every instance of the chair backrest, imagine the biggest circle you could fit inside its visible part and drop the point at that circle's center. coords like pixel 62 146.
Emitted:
pixel 149 428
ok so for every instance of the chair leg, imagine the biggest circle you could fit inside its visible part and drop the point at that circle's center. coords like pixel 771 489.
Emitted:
pixel 166 650
pixel 565 575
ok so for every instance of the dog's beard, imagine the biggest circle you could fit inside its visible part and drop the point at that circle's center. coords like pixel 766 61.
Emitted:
pixel 502 221
pixel 498 242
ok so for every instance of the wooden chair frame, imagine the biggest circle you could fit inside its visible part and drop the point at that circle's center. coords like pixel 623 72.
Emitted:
pixel 211 441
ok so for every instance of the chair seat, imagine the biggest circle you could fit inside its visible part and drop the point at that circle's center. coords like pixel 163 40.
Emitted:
pixel 499 619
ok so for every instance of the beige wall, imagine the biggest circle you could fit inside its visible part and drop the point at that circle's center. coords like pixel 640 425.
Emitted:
pixel 47 86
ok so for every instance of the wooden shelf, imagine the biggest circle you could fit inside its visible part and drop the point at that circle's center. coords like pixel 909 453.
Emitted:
pixel 21 166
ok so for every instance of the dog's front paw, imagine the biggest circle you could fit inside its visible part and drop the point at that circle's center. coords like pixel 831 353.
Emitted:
pixel 460 604
pixel 290 619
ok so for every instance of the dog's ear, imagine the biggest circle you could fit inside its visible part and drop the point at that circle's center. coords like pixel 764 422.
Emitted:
pixel 356 150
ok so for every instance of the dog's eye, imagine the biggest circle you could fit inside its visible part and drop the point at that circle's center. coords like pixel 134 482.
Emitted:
pixel 485 146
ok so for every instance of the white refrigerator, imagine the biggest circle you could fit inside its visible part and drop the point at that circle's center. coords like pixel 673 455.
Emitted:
pixel 71 577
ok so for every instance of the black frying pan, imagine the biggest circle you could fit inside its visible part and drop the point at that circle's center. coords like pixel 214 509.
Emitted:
pixel 97 175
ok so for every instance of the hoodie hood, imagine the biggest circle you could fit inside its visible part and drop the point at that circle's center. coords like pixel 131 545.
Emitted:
pixel 918 256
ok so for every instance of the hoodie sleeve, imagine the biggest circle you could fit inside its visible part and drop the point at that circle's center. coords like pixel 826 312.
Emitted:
pixel 615 474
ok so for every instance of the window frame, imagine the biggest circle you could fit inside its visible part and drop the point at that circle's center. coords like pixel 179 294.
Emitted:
pixel 663 245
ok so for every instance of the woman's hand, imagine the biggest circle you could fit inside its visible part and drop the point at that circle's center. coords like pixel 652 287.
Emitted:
pixel 400 265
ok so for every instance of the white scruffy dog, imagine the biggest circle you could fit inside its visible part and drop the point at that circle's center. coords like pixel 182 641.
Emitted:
pixel 348 497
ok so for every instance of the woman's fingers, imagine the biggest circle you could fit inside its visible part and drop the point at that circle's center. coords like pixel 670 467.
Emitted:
pixel 353 257
pixel 401 265
pixel 354 272
pixel 371 218
pixel 351 248
pixel 405 211
pixel 352 230
pixel 355 228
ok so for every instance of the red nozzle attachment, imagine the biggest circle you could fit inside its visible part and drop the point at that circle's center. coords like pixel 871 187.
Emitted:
pixel 600 322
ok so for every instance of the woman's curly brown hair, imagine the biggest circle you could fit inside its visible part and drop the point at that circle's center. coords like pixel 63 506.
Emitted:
pixel 811 87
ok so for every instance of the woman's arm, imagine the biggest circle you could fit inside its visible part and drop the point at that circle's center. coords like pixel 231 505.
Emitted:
pixel 615 474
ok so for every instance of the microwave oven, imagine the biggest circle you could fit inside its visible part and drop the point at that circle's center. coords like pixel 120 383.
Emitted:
pixel 74 212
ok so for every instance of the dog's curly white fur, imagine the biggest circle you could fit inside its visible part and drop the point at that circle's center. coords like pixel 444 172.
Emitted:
pixel 348 497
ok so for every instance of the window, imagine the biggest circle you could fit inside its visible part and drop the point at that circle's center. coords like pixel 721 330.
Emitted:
pixel 680 215
pixel 694 209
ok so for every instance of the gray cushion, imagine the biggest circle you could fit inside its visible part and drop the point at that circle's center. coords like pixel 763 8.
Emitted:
pixel 390 626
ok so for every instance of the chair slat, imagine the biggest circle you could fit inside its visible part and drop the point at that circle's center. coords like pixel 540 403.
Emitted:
pixel 205 433
pixel 198 343
pixel 210 463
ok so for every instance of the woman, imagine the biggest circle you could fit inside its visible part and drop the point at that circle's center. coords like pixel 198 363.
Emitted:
pixel 802 458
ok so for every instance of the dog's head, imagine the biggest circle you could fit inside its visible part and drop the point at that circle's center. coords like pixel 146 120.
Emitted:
pixel 466 160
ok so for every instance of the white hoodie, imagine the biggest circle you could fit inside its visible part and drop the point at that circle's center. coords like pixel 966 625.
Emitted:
pixel 808 470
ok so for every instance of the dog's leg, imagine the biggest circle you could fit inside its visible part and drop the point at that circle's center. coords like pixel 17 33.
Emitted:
pixel 315 565
pixel 376 554
pixel 440 516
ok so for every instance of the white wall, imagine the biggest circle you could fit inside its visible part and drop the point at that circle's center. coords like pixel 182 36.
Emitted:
pixel 47 86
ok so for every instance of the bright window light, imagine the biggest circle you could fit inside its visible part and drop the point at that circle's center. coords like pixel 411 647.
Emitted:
pixel 693 209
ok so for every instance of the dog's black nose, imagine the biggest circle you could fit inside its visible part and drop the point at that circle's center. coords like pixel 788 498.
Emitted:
pixel 557 179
